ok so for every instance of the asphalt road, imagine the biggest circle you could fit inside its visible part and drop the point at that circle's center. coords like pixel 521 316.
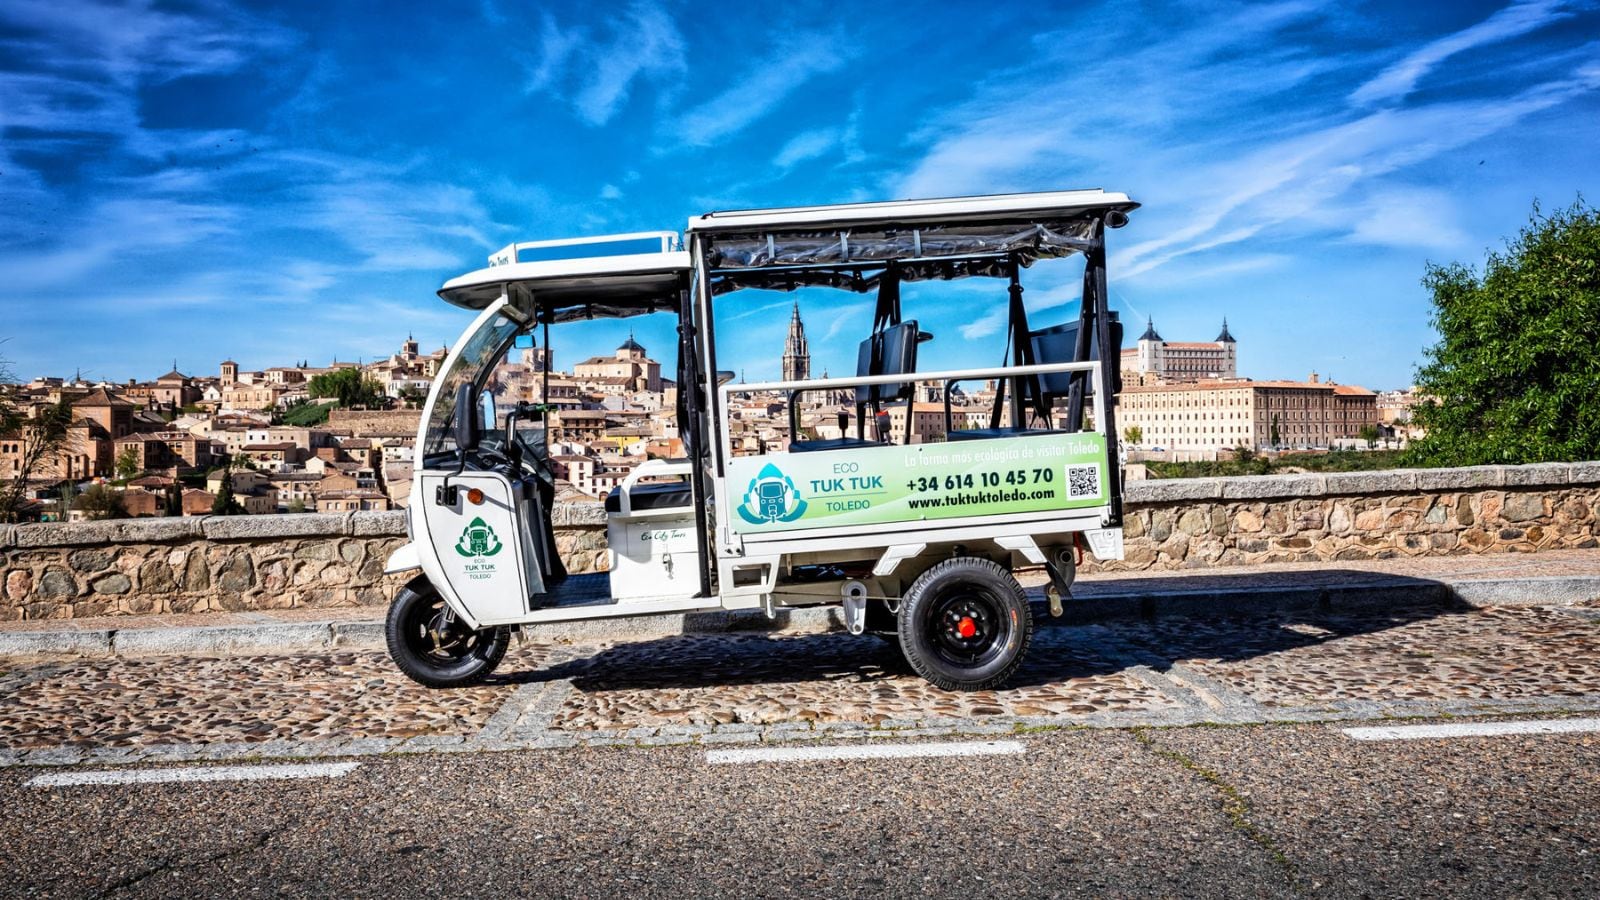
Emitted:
pixel 1202 812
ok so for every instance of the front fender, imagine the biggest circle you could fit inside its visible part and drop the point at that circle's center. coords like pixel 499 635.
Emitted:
pixel 403 560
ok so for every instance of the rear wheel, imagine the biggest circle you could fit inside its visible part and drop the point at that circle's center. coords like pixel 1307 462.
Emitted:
pixel 965 625
pixel 435 648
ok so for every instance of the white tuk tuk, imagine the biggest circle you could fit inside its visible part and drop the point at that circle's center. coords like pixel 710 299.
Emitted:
pixel 913 526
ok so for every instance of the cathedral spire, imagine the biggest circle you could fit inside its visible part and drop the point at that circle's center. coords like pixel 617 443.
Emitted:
pixel 796 353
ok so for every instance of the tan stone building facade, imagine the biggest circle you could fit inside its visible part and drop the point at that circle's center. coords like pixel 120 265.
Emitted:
pixel 1211 415
pixel 630 366
pixel 1153 359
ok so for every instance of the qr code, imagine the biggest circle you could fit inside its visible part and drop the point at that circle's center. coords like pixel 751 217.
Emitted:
pixel 1083 481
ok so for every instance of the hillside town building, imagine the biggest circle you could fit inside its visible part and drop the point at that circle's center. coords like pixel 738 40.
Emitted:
pixel 1214 414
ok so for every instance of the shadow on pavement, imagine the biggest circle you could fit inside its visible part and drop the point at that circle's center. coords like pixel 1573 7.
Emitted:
pixel 1111 625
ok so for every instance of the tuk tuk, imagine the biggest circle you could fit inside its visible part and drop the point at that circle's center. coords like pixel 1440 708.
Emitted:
pixel 914 536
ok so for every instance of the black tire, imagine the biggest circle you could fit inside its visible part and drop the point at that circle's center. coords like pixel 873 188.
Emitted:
pixel 434 648
pixel 952 597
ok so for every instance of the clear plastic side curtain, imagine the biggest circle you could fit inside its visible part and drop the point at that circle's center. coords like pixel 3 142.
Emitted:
pixel 794 259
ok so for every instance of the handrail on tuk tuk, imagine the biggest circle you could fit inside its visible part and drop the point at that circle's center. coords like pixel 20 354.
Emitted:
pixel 796 388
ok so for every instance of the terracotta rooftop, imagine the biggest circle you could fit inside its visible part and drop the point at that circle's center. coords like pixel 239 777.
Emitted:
pixel 100 397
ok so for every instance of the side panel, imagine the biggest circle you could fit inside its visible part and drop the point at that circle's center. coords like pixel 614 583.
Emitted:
pixel 479 550
pixel 873 486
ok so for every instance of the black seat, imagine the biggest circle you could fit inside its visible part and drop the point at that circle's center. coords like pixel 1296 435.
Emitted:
pixel 1056 344
pixel 890 350
pixel 665 495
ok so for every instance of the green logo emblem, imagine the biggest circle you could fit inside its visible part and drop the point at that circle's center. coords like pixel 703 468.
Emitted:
pixel 771 498
pixel 478 539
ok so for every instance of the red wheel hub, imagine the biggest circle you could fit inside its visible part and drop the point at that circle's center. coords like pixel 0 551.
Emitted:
pixel 966 627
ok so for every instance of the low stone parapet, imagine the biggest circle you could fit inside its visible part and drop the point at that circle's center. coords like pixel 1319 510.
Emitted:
pixel 225 563
pixel 1199 522
pixel 241 563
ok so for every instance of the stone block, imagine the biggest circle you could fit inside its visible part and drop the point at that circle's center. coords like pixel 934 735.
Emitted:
pixel 18 585
pixel 1538 475
pixel 1583 473
pixel 90 560
pixel 1523 507
pixel 578 514
pixel 388 523
pixel 64 534
pixel 54 643
pixel 115 583
pixel 159 530
pixel 1172 490
pixel 1467 477
pixel 1257 487
pixel 7 534
pixel 238 574
pixel 259 527
pixel 56 584
pixel 155 577
pixel 1393 482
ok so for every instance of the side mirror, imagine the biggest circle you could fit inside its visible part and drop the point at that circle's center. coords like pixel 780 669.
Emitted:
pixel 724 376
pixel 524 342
pixel 466 416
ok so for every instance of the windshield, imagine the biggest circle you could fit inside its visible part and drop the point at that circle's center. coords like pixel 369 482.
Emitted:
pixel 464 368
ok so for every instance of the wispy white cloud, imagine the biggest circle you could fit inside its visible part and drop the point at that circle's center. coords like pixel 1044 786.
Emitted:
pixel 595 74
pixel 136 41
pixel 763 87
pixel 1300 169
pixel 1041 117
pixel 1318 181
pixel 1401 78
pixel 805 146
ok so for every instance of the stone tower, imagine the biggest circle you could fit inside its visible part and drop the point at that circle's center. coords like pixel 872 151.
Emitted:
pixel 796 355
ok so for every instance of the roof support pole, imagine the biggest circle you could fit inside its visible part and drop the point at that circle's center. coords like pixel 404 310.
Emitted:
pixel 692 430
pixel 1110 360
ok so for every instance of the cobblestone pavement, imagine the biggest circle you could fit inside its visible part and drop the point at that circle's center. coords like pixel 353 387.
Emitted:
pixel 749 688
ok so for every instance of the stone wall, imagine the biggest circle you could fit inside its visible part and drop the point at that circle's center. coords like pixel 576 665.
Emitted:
pixel 1195 523
pixel 215 563
pixel 144 566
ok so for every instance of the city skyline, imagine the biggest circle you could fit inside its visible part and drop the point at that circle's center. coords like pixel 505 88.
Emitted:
pixel 262 184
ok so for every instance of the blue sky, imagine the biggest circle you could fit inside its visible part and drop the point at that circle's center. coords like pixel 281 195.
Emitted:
pixel 293 180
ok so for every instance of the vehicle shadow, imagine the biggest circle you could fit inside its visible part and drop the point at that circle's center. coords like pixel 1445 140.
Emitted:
pixel 1109 626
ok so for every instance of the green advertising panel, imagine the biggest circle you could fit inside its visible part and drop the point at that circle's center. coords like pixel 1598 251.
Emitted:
pixel 874 485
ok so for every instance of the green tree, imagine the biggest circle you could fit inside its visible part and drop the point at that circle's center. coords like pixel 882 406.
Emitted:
pixel 1369 433
pixel 1133 434
pixel 101 502
pixel 349 387
pixel 1276 437
pixel 1515 377
pixel 225 503
pixel 128 463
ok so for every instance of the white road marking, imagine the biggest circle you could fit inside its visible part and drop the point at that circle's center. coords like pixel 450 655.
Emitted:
pixel 1471 729
pixel 863 751
pixel 209 773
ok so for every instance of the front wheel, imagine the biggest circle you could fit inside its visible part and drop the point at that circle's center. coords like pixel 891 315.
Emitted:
pixel 965 624
pixel 435 648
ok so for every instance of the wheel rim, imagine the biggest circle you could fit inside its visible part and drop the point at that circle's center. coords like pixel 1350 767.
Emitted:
pixel 434 634
pixel 966 625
